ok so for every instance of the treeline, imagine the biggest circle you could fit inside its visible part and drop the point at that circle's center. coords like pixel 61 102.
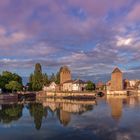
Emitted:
pixel 38 79
pixel 10 82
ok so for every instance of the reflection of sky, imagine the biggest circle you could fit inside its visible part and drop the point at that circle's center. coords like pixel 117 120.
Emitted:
pixel 97 124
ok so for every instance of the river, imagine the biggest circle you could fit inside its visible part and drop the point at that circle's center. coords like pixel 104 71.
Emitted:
pixel 108 118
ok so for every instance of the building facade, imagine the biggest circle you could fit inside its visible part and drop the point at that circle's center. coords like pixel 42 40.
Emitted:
pixel 75 86
pixel 67 86
pixel 65 74
pixel 117 80
pixel 51 87
pixel 78 85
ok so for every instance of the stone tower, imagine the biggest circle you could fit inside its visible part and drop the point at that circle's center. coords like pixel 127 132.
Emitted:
pixel 65 74
pixel 116 80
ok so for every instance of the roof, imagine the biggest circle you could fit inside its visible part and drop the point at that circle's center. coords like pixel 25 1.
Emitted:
pixel 78 82
pixel 116 70
pixel 100 84
pixel 69 81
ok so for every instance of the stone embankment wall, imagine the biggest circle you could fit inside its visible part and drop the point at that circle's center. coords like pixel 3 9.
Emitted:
pixel 43 94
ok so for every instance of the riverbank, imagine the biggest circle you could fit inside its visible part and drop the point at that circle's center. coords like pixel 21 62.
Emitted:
pixel 17 96
pixel 68 95
pixel 9 96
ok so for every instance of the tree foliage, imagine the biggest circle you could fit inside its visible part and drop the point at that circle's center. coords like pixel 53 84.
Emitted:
pixel 38 79
pixel 13 86
pixel 90 86
pixel 6 77
pixel 57 78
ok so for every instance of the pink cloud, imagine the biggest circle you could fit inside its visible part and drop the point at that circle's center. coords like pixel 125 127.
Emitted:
pixel 134 15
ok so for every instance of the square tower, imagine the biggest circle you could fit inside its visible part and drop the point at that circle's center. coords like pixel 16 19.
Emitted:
pixel 65 74
pixel 116 80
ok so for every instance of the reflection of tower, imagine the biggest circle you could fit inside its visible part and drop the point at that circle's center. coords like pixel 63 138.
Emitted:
pixel 64 117
pixel 116 108
pixel 65 74
pixel 117 80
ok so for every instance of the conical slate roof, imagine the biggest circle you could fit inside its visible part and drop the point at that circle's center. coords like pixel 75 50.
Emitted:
pixel 116 70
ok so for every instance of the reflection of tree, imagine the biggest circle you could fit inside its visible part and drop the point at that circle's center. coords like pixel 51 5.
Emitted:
pixel 37 111
pixel 8 113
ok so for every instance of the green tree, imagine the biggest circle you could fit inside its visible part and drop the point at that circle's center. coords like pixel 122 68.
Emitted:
pixel 38 68
pixel 6 77
pixel 90 86
pixel 30 82
pixel 57 78
pixel 13 86
pixel 17 78
pixel 36 79
pixel 45 79
pixel 52 78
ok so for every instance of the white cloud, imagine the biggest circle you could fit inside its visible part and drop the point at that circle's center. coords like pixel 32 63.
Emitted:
pixel 124 41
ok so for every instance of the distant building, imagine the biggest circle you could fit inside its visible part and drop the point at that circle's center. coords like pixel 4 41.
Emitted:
pixel 131 84
pixel 137 85
pixel 51 87
pixel 78 85
pixel 67 86
pixel 65 74
pixel 126 84
pixel 108 86
pixel 116 80
pixel 100 86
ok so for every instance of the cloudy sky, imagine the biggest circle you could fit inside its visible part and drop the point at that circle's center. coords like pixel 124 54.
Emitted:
pixel 90 36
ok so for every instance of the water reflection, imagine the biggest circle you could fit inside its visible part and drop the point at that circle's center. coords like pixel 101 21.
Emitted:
pixel 117 103
pixel 64 117
pixel 37 111
pixel 65 108
pixel 84 115
pixel 62 109
pixel 9 113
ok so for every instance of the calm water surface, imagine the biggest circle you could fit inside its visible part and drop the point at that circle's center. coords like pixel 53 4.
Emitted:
pixel 48 119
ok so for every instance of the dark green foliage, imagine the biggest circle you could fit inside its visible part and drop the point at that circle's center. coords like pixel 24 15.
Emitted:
pixel 52 78
pixel 38 68
pixel 57 78
pixel 45 79
pixel 13 86
pixel 37 83
pixel 90 86
pixel 38 79
pixel 6 78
